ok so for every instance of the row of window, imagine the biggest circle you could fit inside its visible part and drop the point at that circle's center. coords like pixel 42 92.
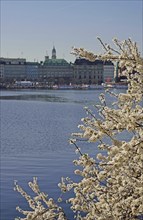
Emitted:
pixel 14 63
pixel 88 67
pixel 88 77
pixel 54 75
pixel 89 72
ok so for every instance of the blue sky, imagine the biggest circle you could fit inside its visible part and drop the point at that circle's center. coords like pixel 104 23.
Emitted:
pixel 29 29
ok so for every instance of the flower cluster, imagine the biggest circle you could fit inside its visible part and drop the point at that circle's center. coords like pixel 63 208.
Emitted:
pixel 110 185
pixel 41 206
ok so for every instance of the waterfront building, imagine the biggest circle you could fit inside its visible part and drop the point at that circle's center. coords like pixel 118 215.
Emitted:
pixel 32 71
pixel 87 72
pixel 97 72
pixel 1 70
pixel 56 70
pixel 13 69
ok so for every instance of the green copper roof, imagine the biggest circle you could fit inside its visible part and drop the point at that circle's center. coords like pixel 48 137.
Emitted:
pixel 56 62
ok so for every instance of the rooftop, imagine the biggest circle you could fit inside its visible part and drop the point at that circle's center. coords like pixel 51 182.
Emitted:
pixel 56 62
pixel 82 61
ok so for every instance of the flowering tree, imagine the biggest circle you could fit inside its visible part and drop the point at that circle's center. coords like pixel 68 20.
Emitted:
pixel 111 186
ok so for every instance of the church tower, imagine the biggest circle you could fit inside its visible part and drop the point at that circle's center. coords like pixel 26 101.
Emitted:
pixel 53 53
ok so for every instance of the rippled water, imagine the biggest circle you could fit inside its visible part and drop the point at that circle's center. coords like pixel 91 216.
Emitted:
pixel 35 127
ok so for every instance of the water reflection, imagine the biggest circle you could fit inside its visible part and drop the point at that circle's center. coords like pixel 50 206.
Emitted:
pixel 86 97
pixel 40 97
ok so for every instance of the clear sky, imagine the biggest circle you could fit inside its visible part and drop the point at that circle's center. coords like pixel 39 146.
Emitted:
pixel 29 29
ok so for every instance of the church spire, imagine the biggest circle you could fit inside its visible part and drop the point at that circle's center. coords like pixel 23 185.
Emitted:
pixel 53 53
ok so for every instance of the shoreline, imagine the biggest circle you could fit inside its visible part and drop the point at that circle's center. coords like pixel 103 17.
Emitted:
pixel 78 87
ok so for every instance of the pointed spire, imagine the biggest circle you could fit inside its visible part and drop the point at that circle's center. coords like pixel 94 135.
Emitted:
pixel 53 53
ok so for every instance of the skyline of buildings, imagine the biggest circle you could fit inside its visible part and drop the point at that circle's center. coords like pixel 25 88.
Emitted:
pixel 54 70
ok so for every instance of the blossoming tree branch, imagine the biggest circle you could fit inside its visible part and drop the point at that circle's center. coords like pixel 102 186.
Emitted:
pixel 110 185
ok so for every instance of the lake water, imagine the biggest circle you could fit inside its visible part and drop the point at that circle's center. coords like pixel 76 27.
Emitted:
pixel 35 128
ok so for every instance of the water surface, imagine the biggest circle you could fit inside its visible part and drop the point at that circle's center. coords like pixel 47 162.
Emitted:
pixel 35 128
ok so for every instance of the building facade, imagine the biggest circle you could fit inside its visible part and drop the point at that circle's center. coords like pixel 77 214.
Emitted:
pixel 87 72
pixel 55 71
pixel 1 70
pixel 13 69
pixel 108 72
pixel 32 71
pixel 97 72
